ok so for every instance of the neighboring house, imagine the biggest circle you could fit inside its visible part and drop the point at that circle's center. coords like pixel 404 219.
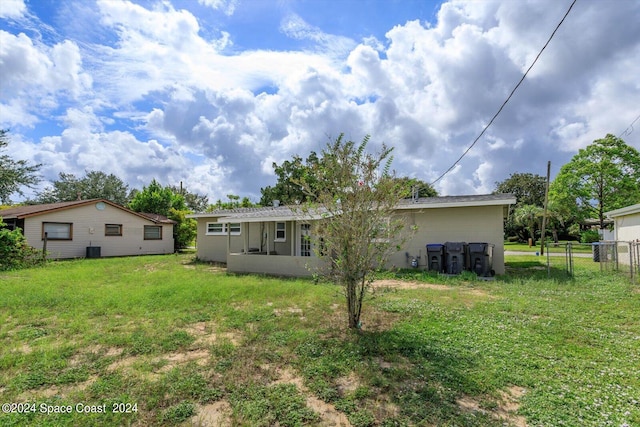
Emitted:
pixel 71 227
pixel 626 223
pixel 272 240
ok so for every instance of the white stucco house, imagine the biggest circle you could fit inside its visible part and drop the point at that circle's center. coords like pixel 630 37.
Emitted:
pixel 272 240
pixel 69 228
pixel 626 223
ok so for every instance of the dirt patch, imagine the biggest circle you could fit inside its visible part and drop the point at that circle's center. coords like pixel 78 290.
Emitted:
pixel 328 413
pixel 400 284
pixel 348 384
pixel 289 310
pixel 173 359
pixel 216 414
pixel 203 331
pixel 122 363
pixel 505 409
pixel 60 391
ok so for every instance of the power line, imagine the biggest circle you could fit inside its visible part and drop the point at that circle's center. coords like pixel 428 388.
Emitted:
pixel 508 98
pixel 629 128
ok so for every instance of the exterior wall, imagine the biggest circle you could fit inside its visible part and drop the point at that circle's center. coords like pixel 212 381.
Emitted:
pixel 278 265
pixel 482 224
pixel 283 248
pixel 89 230
pixel 437 225
pixel 628 227
pixel 214 248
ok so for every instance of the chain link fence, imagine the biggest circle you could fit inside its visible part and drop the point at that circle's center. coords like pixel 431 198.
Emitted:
pixel 605 256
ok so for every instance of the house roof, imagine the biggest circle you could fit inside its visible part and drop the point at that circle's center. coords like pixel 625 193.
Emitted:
pixel 289 213
pixel 20 212
pixel 627 210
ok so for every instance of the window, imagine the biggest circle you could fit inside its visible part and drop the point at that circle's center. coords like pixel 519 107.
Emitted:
pixel 152 232
pixel 113 229
pixel 215 228
pixel 281 232
pixel 57 230
pixel 219 229
pixel 305 239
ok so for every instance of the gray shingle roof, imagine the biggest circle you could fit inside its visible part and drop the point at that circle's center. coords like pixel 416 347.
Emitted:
pixel 293 212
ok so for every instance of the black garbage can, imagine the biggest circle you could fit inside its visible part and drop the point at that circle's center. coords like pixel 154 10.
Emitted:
pixel 435 257
pixel 595 247
pixel 454 257
pixel 481 259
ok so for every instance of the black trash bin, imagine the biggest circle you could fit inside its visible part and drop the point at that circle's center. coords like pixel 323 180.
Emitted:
pixel 595 246
pixel 481 259
pixel 435 257
pixel 454 257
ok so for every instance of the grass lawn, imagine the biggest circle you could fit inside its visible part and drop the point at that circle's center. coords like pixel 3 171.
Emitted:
pixel 164 340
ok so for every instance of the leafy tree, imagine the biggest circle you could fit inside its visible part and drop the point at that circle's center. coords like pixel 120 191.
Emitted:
pixel 528 188
pixel 157 199
pixel 94 185
pixel 194 202
pixel 603 176
pixel 287 188
pixel 291 172
pixel 14 174
pixel 164 201
pixel 408 184
pixel 15 253
pixel 233 202
pixel 356 197
pixel 528 216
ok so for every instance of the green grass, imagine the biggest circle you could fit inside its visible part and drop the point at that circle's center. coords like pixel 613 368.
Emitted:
pixel 170 336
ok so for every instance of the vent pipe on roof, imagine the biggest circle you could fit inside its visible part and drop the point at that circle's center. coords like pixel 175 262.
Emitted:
pixel 276 203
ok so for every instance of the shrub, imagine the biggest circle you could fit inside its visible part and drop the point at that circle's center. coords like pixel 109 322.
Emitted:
pixel 15 253
pixel 589 236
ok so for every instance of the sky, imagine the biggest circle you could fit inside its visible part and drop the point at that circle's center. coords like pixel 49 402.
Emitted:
pixel 211 93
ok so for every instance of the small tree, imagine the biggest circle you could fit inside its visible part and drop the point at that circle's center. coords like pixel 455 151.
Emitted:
pixel 528 216
pixel 356 197
pixel 14 174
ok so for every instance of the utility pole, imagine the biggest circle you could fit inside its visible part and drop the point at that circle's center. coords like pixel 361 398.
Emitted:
pixel 546 204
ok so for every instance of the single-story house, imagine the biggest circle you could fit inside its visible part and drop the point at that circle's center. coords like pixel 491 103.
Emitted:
pixel 272 240
pixel 626 223
pixel 108 229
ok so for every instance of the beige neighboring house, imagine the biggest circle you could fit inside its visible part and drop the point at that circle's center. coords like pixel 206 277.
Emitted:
pixel 626 223
pixel 272 240
pixel 72 227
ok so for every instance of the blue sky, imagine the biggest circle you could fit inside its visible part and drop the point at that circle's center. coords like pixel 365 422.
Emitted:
pixel 212 92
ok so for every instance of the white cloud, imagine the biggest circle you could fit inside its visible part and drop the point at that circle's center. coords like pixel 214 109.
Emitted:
pixel 225 6
pixel 12 8
pixel 189 108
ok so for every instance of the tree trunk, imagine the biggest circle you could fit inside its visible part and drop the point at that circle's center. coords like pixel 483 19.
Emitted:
pixel 354 304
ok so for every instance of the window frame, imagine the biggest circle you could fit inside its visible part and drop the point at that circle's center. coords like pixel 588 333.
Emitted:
pixel 106 228
pixel 235 228
pixel 45 223
pixel 146 227
pixel 283 231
